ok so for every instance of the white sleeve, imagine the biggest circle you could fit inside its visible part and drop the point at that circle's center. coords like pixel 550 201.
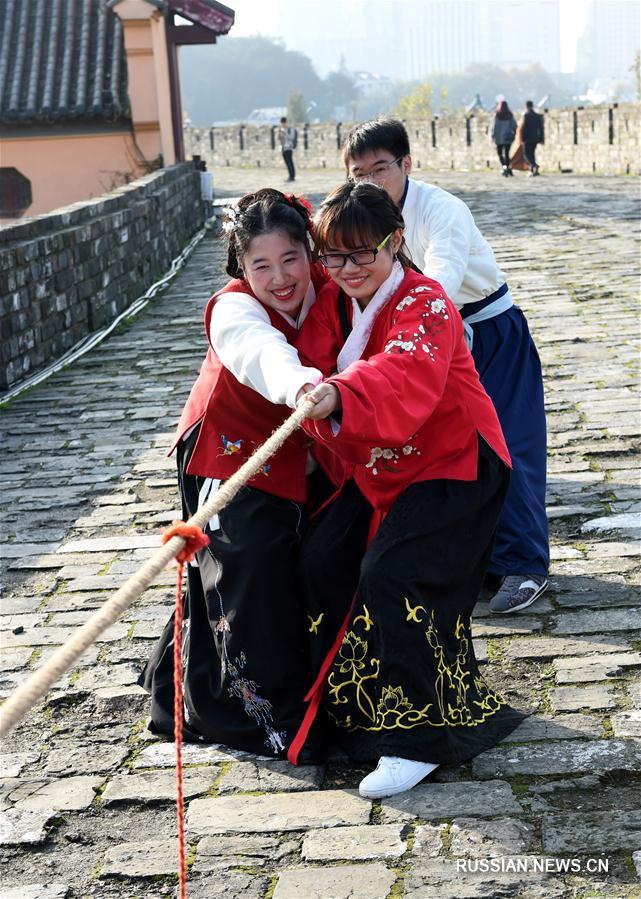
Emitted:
pixel 449 227
pixel 256 353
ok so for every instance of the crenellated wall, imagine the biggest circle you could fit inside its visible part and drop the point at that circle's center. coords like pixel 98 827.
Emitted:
pixel 73 271
pixel 598 139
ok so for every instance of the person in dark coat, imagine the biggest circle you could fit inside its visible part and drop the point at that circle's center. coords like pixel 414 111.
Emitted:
pixel 531 135
pixel 503 133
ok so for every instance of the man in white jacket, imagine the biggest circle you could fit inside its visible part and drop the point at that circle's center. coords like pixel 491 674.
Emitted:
pixel 446 245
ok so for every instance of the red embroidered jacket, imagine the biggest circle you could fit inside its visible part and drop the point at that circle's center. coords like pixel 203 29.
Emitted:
pixel 412 405
pixel 236 419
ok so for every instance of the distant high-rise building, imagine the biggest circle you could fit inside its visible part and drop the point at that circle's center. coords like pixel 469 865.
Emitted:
pixel 446 36
pixel 610 40
pixel 521 34
pixel 440 36
pixel 413 39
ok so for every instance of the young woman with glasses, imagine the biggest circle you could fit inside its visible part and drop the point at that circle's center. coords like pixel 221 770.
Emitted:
pixel 392 566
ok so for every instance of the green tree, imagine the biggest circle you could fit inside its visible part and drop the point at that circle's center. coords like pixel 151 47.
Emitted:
pixel 225 81
pixel 444 92
pixel 296 108
pixel 635 68
pixel 417 104
pixel 339 91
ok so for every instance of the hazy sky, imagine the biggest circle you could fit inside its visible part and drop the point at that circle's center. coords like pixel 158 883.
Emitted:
pixel 253 17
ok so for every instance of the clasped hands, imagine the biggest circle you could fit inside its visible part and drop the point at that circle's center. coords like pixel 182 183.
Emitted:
pixel 325 397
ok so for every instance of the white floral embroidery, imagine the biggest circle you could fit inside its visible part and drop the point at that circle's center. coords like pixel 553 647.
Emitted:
pixel 427 327
pixel 232 216
pixel 405 346
pixel 405 302
pixel 386 457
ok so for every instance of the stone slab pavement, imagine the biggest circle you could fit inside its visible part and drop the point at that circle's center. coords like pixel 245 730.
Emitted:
pixel 86 798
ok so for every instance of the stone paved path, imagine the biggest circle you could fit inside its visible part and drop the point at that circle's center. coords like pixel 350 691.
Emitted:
pixel 87 794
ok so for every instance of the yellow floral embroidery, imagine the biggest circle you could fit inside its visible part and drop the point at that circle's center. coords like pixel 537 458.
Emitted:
pixel 459 702
pixel 412 612
pixel 313 625
pixel 367 621
pixel 351 662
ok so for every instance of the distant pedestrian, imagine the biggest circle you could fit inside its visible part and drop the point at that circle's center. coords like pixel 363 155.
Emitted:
pixel 531 134
pixel 503 133
pixel 287 138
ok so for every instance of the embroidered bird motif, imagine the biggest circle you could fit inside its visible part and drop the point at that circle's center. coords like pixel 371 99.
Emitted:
pixel 367 621
pixel 412 611
pixel 264 469
pixel 230 446
pixel 313 625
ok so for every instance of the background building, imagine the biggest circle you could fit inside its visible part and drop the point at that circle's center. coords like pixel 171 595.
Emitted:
pixel 410 40
pixel 610 40
pixel 89 94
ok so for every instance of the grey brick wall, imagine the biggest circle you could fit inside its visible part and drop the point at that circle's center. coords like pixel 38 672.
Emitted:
pixel 69 273
pixel 598 139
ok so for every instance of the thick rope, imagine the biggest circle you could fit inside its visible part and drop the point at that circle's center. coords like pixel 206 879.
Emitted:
pixel 35 687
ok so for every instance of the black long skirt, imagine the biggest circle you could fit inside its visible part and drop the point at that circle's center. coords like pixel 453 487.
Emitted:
pixel 245 655
pixel 405 681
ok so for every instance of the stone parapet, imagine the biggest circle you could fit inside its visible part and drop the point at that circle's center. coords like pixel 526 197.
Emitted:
pixel 597 139
pixel 66 274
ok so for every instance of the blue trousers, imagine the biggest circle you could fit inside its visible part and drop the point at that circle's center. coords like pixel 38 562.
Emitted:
pixel 510 370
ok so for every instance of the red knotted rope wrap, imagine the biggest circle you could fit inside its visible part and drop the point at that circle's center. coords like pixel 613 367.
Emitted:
pixel 195 540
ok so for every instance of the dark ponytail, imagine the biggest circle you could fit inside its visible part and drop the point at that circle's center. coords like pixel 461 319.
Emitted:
pixel 357 215
pixel 259 213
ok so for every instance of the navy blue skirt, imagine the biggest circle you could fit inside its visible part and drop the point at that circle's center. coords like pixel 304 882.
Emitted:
pixel 510 370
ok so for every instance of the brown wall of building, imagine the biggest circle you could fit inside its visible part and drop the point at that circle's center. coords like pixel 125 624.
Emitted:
pixel 601 139
pixel 66 168
pixel 67 274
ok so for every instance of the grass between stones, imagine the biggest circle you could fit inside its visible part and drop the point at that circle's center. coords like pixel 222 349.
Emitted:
pixel 104 569
pixel 136 729
pixel 36 654
pixel 376 814
pixel 398 887
pixel 95 871
pixel 190 855
pixel 446 837
pixel 608 732
pixel 496 647
pixel 223 768
pixel 271 887
pixel 97 801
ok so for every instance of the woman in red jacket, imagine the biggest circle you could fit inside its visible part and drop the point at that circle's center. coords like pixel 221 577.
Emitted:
pixel 244 645
pixel 392 567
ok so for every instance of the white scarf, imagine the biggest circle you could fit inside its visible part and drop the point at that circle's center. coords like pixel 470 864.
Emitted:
pixel 360 334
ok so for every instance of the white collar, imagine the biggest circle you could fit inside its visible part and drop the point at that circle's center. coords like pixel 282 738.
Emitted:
pixel 357 340
pixel 411 198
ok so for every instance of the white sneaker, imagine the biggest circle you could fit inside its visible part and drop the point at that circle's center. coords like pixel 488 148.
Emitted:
pixel 393 775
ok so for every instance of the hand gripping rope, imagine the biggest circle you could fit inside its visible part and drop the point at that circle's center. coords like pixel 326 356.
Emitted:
pixel 181 541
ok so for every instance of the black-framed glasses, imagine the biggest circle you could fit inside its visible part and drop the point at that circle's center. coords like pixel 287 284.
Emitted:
pixel 358 257
pixel 380 170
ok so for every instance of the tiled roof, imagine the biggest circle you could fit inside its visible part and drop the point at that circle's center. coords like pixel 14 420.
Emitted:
pixel 209 13
pixel 61 60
